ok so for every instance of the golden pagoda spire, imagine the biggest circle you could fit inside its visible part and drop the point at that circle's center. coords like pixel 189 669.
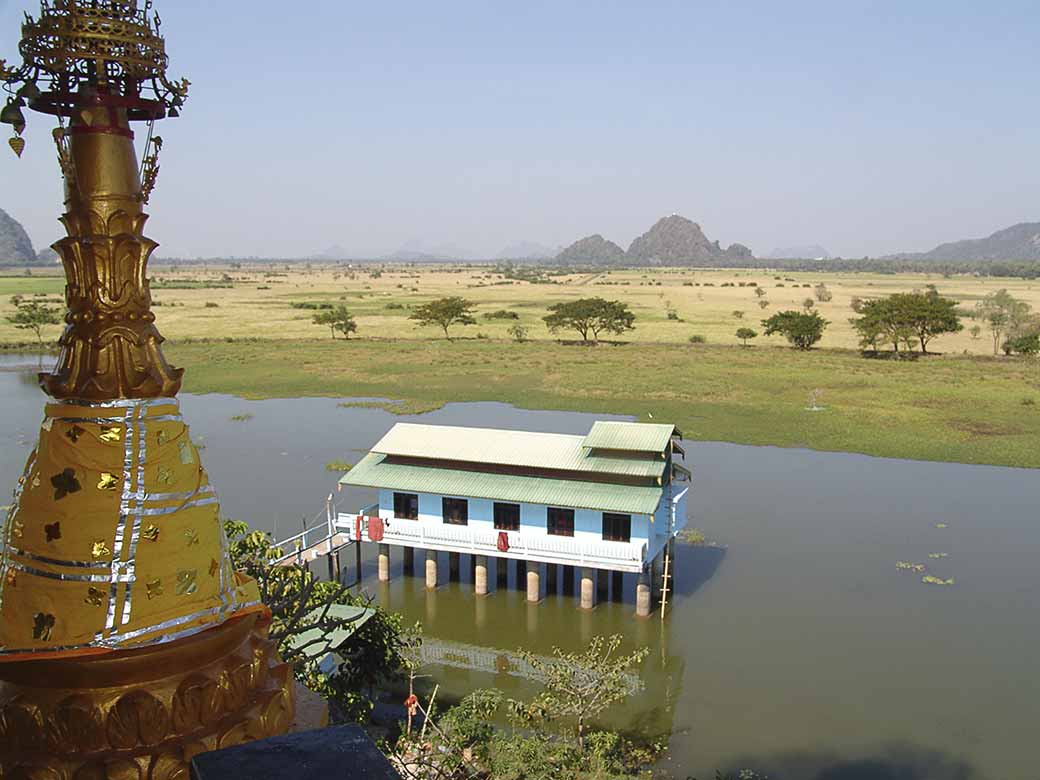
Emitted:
pixel 127 642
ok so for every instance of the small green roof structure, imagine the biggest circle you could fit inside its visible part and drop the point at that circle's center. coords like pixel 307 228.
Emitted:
pixel 629 437
pixel 334 639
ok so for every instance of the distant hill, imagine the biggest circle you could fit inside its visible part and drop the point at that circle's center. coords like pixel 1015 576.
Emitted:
pixel 15 246
pixel 592 250
pixel 672 240
pixel 1018 242
pixel 526 250
pixel 802 252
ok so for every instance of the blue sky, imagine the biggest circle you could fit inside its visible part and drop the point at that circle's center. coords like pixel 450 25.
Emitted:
pixel 868 127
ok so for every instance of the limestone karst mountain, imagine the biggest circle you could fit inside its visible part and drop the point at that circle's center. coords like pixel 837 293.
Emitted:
pixel 15 246
pixel 593 250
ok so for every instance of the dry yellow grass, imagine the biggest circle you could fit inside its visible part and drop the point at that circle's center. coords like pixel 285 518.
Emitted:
pixel 258 301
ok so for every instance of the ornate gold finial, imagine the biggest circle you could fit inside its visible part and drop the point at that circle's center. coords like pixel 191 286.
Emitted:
pixel 101 67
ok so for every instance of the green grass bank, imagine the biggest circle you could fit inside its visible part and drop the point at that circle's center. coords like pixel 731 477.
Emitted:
pixel 960 409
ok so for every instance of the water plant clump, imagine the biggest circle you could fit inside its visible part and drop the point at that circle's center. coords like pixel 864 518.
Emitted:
pixel 241 417
pixel 929 579
pixel 908 566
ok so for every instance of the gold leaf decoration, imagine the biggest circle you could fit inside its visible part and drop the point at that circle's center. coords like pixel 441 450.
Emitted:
pixel 65 483
pixel 52 532
pixel 36 481
pixel 197 702
pixel 164 476
pixel 18 529
pixel 187 456
pixel 151 533
pixel 100 550
pixel 154 588
pixel 95 597
pixel 11 578
pixel 162 437
pixel 108 481
pixel 75 726
pixel 17 144
pixel 191 536
pixel 43 625
pixel 186 582
pixel 111 434
pixel 138 718
pixel 74 433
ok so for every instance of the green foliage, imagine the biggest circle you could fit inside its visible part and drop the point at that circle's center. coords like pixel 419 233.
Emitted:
pixel 823 295
pixel 738 314
pixel 904 318
pixel 580 686
pixel 1026 344
pixel 212 305
pixel 339 466
pixel 590 316
pixel 33 315
pixel 801 330
pixel 518 333
pixel 746 333
pixel 338 320
pixel 696 338
pixel 808 304
pixel 1004 314
pixel 502 314
pixel 376 653
pixel 445 312
pixel 311 305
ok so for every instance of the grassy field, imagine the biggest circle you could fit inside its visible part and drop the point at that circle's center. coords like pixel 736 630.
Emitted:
pixel 960 406
pixel 256 301
pixel 972 410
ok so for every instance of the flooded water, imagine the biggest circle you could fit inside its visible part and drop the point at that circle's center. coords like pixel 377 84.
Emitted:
pixel 797 648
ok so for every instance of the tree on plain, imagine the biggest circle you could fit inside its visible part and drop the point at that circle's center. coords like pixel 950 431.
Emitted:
pixel 808 303
pixel 34 316
pixel 590 316
pixel 1003 313
pixel 903 318
pixel 823 295
pixel 339 320
pixel 445 312
pixel 800 329
pixel 746 333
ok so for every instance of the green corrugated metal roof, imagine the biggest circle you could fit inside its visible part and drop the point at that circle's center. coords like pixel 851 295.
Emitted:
pixel 324 642
pixel 373 472
pixel 633 437
pixel 509 448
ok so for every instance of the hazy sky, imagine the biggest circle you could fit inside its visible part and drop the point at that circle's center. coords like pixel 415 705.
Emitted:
pixel 868 127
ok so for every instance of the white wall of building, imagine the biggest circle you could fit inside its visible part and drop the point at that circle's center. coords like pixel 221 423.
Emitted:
pixel 588 523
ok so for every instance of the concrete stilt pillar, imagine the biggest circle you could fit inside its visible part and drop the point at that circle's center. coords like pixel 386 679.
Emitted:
pixel 384 563
pixel 502 573
pixel 409 560
pixel 480 581
pixel 534 584
pixel 551 578
pixel 643 600
pixel 588 588
pixel 617 586
pixel 431 569
pixel 602 584
pixel 454 564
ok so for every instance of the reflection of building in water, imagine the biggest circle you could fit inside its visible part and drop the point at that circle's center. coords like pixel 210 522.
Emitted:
pixel 609 502
pixel 473 658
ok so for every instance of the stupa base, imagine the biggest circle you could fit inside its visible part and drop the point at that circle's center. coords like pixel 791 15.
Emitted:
pixel 143 714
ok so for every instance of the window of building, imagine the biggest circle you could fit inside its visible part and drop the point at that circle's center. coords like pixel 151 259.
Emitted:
pixel 406 506
pixel 560 522
pixel 617 528
pixel 455 511
pixel 507 517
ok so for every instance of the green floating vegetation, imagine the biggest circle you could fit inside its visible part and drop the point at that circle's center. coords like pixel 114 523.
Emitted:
pixel 693 536
pixel 908 566
pixel 941 525
pixel 928 579
pixel 410 406
pixel 241 417
pixel 937 556
pixel 338 465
